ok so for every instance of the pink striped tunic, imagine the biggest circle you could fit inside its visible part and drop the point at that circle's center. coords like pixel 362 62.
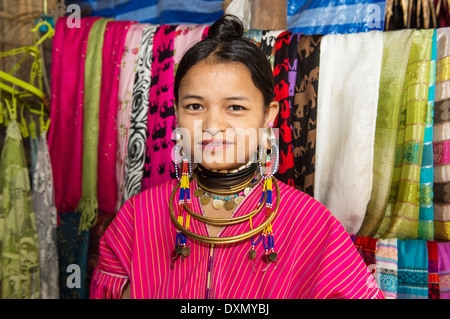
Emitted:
pixel 316 257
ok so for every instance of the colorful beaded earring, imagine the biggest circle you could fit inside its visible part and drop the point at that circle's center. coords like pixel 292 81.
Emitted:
pixel 267 236
pixel 184 197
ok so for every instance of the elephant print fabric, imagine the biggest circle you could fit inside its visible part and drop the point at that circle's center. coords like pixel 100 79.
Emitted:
pixel 159 166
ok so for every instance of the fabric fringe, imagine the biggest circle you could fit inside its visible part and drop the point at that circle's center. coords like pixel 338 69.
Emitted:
pixel 88 207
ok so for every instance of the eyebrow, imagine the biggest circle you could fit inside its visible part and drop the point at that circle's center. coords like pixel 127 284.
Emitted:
pixel 230 98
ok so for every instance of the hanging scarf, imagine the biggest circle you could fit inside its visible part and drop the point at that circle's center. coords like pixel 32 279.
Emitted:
pixel 113 46
pixel 425 226
pixel 346 120
pixel 433 270
pixel 396 46
pixel 386 258
pixel 281 81
pixel 402 213
pixel 65 136
pixel 304 112
pixel 268 39
pixel 124 96
pixel 137 134
pixel 159 166
pixel 441 138
pixel 88 204
pixel 185 37
pixel 444 269
pixel 412 269
pixel 19 244
pixel 46 220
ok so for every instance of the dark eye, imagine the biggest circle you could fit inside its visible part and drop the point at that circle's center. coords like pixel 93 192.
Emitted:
pixel 236 108
pixel 194 107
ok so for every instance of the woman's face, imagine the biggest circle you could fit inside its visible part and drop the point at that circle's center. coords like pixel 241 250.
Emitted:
pixel 220 112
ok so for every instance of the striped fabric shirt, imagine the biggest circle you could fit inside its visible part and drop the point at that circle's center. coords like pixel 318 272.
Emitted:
pixel 316 257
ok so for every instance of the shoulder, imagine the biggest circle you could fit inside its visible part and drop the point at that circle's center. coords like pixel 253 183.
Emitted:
pixel 161 191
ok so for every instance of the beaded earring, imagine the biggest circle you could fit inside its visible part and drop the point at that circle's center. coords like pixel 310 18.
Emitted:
pixel 267 236
pixel 184 197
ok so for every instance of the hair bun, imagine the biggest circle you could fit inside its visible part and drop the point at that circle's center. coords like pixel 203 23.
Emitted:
pixel 227 28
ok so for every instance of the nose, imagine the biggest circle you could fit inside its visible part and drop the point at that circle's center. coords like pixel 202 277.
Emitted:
pixel 213 123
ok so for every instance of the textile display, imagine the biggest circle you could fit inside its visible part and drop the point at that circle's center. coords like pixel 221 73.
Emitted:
pixel 19 242
pixel 158 165
pixel 412 269
pixel 304 115
pixel 88 203
pixel 346 111
pixel 396 47
pixel 444 269
pixel 157 11
pixel 46 221
pixel 128 66
pixel 65 134
pixel 402 212
pixel 333 17
pixel 441 137
pixel 425 227
pixel 134 167
pixel 112 52
pixel 386 261
pixel 363 165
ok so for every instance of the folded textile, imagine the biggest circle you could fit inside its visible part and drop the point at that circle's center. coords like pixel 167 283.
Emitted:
pixel 346 121
pixel 412 269
pixel 444 269
pixel 386 259
pixel 433 270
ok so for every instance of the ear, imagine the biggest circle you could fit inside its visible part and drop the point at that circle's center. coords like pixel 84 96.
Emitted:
pixel 271 113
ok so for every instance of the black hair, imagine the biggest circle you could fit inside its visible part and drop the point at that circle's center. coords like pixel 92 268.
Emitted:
pixel 225 44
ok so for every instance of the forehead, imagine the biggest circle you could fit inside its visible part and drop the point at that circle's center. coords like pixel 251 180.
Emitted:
pixel 218 79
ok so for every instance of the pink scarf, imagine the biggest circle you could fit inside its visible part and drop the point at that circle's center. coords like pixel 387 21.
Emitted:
pixel 126 81
pixel 65 134
pixel 113 45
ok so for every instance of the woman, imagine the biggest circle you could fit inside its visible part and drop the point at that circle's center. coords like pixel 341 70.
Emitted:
pixel 227 228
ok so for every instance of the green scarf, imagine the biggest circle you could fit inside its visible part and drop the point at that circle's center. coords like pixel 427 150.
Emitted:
pixel 88 204
pixel 396 47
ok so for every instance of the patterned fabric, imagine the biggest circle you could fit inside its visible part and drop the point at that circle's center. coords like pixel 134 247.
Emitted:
pixel 113 46
pixel 425 228
pixel 267 45
pixel 337 16
pixel 126 80
pixel 366 246
pixel 46 221
pixel 396 47
pixel 19 243
pixel 88 204
pixel 444 269
pixel 159 166
pixel 282 122
pixel 412 269
pixel 322 263
pixel 65 136
pixel 73 250
pixel 402 213
pixel 346 111
pixel 441 138
pixel 386 257
pixel 304 112
pixel 433 270
pixel 134 168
